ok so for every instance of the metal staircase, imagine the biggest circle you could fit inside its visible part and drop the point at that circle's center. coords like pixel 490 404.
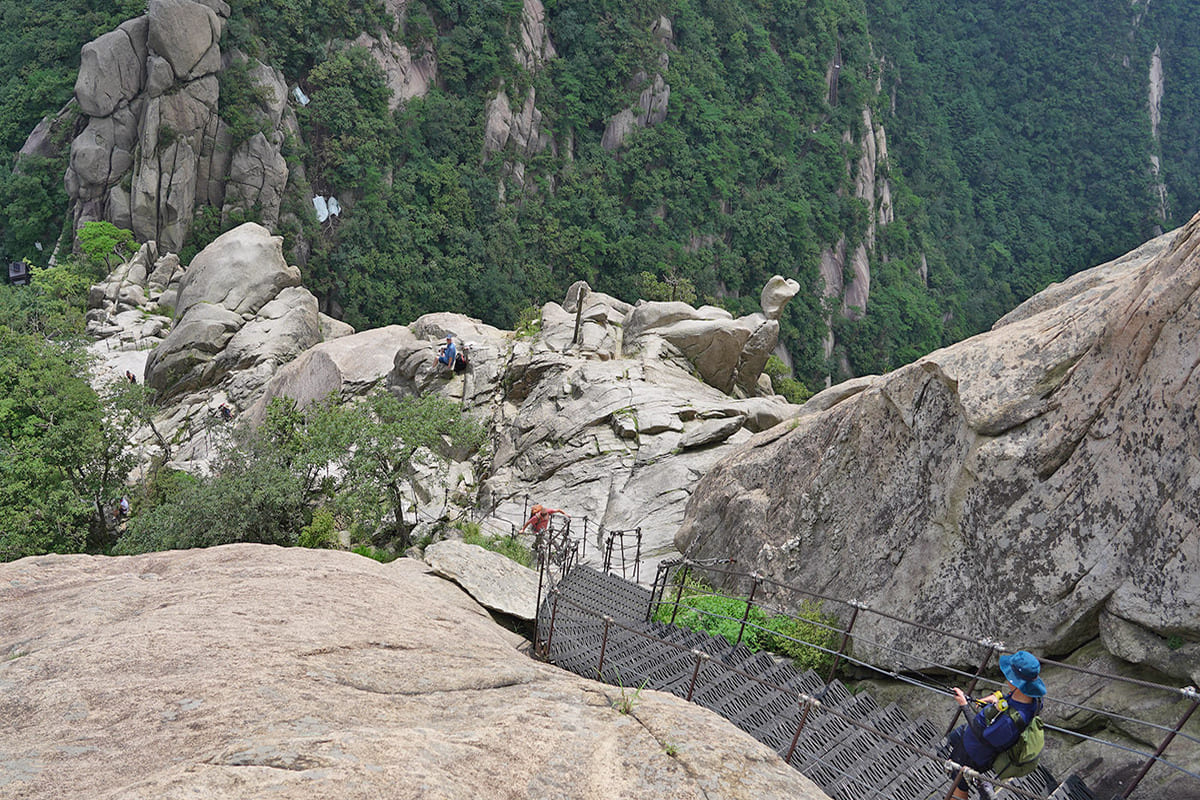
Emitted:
pixel 594 624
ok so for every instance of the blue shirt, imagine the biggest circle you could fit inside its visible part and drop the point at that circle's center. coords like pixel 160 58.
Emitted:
pixel 1000 735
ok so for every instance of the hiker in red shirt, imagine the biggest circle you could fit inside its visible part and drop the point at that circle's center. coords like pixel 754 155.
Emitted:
pixel 540 518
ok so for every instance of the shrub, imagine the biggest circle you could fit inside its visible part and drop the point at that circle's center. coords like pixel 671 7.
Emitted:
pixel 374 553
pixel 320 533
pixel 799 637
pixel 507 546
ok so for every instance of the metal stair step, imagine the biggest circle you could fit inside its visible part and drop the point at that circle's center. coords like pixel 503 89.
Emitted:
pixel 847 761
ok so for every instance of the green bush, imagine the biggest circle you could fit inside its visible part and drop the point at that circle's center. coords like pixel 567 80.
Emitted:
pixel 320 533
pixel 783 383
pixel 507 546
pixel 373 553
pixel 799 637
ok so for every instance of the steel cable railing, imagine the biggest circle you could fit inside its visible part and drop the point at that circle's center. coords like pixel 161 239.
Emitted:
pixel 896 675
pixel 806 703
pixel 684 569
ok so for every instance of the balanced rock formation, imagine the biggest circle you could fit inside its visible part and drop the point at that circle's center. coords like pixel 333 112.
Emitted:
pixel 248 671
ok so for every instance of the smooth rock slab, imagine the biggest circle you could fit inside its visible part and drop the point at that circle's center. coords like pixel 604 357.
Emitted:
pixel 249 671
pixel 496 582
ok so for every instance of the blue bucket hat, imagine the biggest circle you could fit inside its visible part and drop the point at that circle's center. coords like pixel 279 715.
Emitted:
pixel 1021 669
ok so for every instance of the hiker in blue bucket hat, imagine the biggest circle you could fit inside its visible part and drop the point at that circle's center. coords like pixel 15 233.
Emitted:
pixel 995 727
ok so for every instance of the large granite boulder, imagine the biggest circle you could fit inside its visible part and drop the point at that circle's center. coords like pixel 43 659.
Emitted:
pixel 1035 485
pixel 253 671
pixel 341 367
pixel 239 305
pixel 1052 460
pixel 496 582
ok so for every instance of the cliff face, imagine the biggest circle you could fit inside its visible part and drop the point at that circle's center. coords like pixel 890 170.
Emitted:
pixel 1052 460
pixel 154 150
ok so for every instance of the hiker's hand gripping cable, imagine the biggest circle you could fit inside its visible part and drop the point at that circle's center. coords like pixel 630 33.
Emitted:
pixel 965 701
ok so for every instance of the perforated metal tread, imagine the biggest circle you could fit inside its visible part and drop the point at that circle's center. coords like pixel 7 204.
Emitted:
pixel 848 762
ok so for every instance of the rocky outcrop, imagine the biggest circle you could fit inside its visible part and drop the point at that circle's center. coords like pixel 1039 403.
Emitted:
pixel 521 131
pixel 599 411
pixel 1053 457
pixel 615 435
pixel 247 671
pixel 153 149
pixel 655 93
pixel 840 261
pixel 239 306
pixel 408 75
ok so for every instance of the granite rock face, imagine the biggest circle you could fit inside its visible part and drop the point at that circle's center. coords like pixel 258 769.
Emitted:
pixel 1056 455
pixel 253 671
pixel 153 149
pixel 613 432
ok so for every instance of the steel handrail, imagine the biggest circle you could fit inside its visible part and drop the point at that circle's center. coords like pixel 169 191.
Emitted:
pixel 805 700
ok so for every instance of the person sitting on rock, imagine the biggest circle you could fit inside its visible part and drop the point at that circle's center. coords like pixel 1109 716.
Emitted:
pixel 991 731
pixel 447 353
pixel 540 518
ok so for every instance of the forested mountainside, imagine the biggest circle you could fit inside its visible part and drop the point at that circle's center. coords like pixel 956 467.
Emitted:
pixel 933 161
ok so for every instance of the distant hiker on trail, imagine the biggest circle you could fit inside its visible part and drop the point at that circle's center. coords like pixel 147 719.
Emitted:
pixel 225 412
pixel 129 376
pixel 121 512
pixel 1000 720
pixel 447 353
pixel 540 518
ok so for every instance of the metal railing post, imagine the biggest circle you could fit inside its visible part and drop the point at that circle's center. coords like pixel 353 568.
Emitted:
pixel 1189 691
pixel 654 592
pixel 807 702
pixel 950 792
pixel 537 609
pixel 993 648
pixel 679 594
pixel 837 660
pixel 553 618
pixel 603 644
pixel 637 560
pixel 749 604
pixel 701 657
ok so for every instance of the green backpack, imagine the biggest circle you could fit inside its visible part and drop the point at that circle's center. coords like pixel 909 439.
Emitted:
pixel 1022 758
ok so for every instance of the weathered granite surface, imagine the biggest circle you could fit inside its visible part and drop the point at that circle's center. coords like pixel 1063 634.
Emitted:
pixel 255 671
